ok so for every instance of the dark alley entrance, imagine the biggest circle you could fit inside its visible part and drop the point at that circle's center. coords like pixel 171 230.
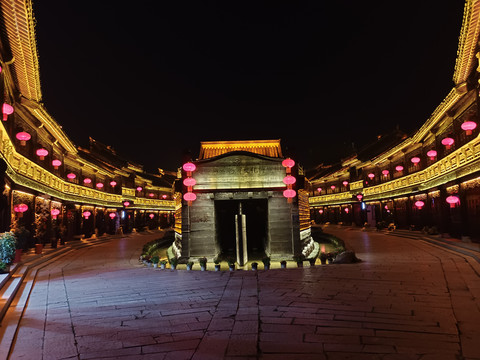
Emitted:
pixel 242 239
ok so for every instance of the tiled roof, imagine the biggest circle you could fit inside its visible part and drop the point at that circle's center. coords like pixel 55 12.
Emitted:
pixel 209 149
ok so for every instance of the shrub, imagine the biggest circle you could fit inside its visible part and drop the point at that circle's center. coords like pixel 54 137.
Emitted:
pixel 155 259
pixel 202 261
pixel 7 247
pixel 266 261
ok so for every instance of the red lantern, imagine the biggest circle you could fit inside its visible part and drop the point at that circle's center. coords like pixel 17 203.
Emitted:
pixel 23 137
pixel 139 188
pixel 71 176
pixel 347 210
pixel 151 195
pixel 320 211
pixel 289 180
pixel 87 181
pixel 468 126
pixel 345 183
pixel 151 216
pixel 419 204
pixel 385 172
pixel 41 153
pixel 359 197
pixel 87 214
pixel 189 167
pixel 431 154
pixel 99 185
pixel 113 183
pixel 399 168
pixel 189 182
pixel 447 142
pixel 55 213
pixel 7 110
pixel 289 193
pixel 453 200
pixel 288 163
pixel 164 196
pixel 126 203
pixel 319 190
pixel 415 160
pixel 20 209
pixel 332 187
pixel 112 215
pixel 56 163
pixel 190 196
pixel 371 176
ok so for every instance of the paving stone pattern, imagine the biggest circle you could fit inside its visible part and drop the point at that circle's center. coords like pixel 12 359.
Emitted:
pixel 407 300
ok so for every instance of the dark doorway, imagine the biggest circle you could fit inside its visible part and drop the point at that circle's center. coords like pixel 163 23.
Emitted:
pixel 256 218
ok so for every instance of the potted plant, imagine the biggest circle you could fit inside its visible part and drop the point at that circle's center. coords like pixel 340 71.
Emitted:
pixel 254 266
pixel 283 264
pixel 323 258
pixel 203 263
pixel 266 262
pixel 155 261
pixel 163 264
pixel 231 264
pixel 173 262
pixel 299 260
pixel 189 265
pixel 217 264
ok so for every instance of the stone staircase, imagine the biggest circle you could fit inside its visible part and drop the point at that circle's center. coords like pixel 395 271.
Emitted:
pixel 16 286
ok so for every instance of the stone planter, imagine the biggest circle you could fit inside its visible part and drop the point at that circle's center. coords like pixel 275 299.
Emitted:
pixel 283 264
pixel 155 266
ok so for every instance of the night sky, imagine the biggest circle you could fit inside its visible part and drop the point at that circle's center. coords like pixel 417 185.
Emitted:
pixel 154 78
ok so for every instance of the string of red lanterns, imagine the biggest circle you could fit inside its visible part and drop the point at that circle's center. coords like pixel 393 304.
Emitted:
pixel 289 180
pixel 189 182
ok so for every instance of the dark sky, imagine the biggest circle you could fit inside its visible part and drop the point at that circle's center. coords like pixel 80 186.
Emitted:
pixel 154 78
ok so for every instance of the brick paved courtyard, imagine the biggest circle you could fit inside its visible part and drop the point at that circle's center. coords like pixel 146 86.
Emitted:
pixel 407 300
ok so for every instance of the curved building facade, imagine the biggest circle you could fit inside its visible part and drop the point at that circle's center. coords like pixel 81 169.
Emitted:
pixel 430 180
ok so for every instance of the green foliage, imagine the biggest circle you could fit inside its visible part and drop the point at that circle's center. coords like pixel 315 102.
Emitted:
pixel 202 261
pixel 3 267
pixel 299 258
pixel 266 260
pixel 231 261
pixel 7 247
pixel 155 259
pixel 173 261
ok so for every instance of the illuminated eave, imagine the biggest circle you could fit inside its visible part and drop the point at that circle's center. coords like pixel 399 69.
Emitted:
pixel 271 148
pixel 467 46
pixel 19 27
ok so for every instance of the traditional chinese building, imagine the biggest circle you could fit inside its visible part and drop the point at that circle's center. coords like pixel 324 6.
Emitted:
pixel 430 179
pixel 236 207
